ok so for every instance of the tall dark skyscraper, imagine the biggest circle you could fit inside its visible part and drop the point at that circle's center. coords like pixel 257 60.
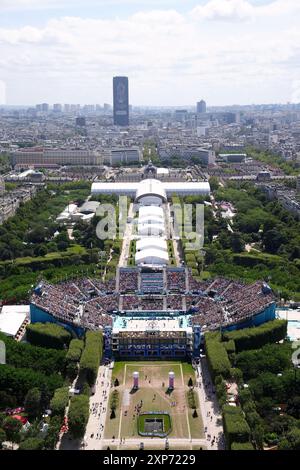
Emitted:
pixel 121 101
pixel 201 107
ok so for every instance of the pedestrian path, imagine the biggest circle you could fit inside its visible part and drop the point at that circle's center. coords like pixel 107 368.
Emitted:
pixel 98 410
pixel 211 415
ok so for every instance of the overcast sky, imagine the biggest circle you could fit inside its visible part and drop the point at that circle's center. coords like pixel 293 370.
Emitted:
pixel 174 52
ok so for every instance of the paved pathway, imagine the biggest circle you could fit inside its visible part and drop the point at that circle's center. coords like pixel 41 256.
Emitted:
pixel 128 233
pixel 155 442
pixel 98 410
pixel 211 416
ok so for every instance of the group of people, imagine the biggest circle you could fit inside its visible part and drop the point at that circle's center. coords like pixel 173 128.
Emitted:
pixel 151 303
pixel 197 286
pixel 128 281
pixel 95 310
pixel 135 302
pixel 130 302
pixel 137 409
pixel 207 311
pixel 174 302
pixel 90 302
pixel 176 281
pixel 234 301
pixel 99 408
pixel 56 301
pixel 248 300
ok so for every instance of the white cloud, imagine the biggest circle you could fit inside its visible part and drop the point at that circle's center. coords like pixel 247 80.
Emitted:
pixel 224 10
pixel 236 10
pixel 170 58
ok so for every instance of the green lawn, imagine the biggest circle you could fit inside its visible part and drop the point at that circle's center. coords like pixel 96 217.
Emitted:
pixel 153 384
pixel 118 371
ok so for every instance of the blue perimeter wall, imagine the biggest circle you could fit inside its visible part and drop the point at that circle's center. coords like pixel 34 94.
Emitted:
pixel 37 315
pixel 266 315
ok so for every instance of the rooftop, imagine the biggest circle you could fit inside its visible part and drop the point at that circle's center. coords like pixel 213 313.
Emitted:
pixel 12 318
pixel 180 323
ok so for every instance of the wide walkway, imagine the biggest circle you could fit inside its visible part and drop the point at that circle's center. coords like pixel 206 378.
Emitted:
pixel 156 443
pixel 99 404
pixel 211 415
pixel 123 260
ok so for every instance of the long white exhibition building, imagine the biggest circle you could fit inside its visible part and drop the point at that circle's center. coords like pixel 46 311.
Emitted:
pixel 151 188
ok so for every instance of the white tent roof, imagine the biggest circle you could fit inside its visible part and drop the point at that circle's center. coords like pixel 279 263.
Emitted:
pixel 151 219
pixel 12 317
pixel 151 210
pixel 128 189
pixel 187 188
pixel 151 256
pixel 151 229
pixel 151 243
pixel 151 187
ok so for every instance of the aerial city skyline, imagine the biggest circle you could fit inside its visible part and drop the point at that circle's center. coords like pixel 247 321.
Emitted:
pixel 150 231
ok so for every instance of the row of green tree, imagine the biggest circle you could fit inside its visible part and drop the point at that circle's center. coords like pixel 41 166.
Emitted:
pixel 20 354
pixel 91 356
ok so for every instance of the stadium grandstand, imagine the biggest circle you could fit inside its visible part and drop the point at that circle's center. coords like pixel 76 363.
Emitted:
pixel 89 304
pixel 152 309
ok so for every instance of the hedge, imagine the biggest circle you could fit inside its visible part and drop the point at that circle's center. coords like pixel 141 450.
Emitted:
pixel 86 389
pixel 230 346
pixel 190 258
pixel 75 349
pixel 78 415
pixel 252 260
pixel 48 334
pixel 236 428
pixel 256 337
pixel 73 357
pixel 59 401
pixel 217 358
pixel 114 400
pixel 91 356
pixel 242 446
pixel 192 399
pixel 221 392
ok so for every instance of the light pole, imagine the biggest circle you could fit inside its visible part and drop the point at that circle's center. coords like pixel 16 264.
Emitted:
pixel 102 254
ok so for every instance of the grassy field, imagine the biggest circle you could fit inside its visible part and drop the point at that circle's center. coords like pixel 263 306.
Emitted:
pixel 153 393
pixel 119 367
